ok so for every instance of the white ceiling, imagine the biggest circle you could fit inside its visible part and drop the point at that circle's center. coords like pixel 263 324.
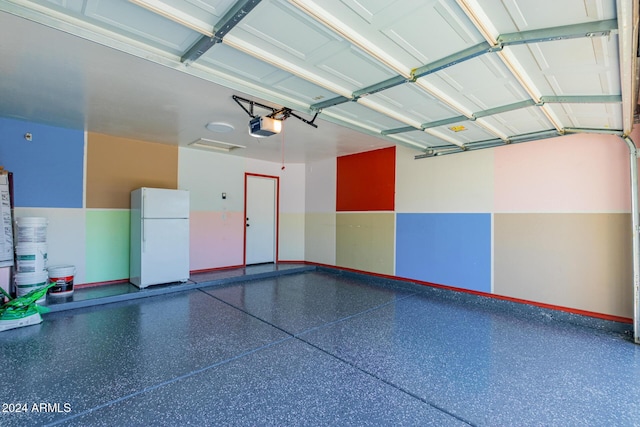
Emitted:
pixel 379 72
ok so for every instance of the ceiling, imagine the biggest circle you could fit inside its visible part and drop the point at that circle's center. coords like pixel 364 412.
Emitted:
pixel 439 76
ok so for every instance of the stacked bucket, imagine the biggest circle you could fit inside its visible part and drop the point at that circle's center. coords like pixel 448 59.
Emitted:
pixel 31 261
pixel 31 255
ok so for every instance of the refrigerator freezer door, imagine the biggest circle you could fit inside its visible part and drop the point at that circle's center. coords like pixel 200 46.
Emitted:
pixel 164 251
pixel 164 203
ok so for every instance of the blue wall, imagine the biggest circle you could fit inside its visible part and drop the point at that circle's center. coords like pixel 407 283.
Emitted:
pixel 47 171
pixel 447 249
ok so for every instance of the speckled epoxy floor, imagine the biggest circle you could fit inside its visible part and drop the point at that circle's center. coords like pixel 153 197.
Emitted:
pixel 318 348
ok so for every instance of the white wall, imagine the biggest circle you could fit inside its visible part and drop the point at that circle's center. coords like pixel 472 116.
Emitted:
pixel 320 202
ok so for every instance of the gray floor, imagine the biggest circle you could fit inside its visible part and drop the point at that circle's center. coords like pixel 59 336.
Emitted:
pixel 318 347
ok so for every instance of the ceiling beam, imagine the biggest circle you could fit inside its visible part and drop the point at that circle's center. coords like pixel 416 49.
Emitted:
pixel 176 15
pixel 485 26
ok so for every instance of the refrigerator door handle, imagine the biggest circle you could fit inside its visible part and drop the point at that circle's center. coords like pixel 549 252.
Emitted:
pixel 143 236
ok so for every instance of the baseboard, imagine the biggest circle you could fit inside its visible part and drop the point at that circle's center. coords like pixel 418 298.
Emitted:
pixel 209 270
pixel 602 316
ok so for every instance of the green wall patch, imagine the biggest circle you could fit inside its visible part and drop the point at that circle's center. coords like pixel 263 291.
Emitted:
pixel 107 247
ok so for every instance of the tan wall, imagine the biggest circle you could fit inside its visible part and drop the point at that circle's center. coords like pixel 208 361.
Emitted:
pixel 366 241
pixel 291 237
pixel 320 238
pixel 116 166
pixel 580 261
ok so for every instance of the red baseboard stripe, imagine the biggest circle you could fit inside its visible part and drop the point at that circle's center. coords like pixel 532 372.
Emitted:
pixel 209 270
pixel 484 294
pixel 94 284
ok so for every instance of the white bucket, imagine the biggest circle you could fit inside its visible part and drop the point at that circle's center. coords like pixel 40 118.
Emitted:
pixel 31 257
pixel 27 282
pixel 62 276
pixel 31 230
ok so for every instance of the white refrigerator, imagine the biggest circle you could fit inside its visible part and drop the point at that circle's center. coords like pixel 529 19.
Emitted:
pixel 159 236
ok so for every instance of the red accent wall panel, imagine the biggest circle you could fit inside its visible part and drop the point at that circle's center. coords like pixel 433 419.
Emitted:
pixel 366 181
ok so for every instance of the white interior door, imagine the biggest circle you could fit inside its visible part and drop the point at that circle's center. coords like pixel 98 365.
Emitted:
pixel 260 221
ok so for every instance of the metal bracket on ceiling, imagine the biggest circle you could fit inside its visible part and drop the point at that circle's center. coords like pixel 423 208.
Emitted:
pixel 276 113
pixel 588 29
pixel 330 102
pixel 582 99
pixel 450 60
pixel 230 19
pixel 599 131
pixel 378 87
pixel 462 118
pixel 490 143
pixel 591 29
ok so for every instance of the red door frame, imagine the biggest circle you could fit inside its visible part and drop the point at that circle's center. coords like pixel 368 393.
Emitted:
pixel 246 176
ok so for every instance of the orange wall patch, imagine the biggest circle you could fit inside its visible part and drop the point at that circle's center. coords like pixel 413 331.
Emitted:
pixel 116 166
pixel 366 181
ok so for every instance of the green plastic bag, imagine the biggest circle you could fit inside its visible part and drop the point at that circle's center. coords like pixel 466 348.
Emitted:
pixel 25 305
